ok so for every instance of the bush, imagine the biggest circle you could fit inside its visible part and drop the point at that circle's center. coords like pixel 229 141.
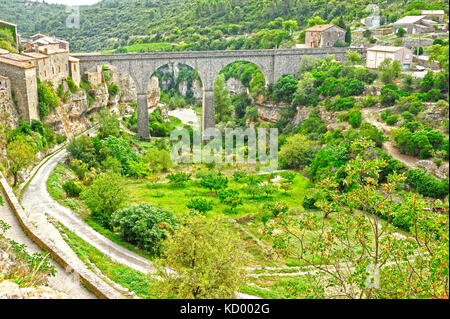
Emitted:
pixel 426 184
pixel 83 149
pixel 179 179
pixel 200 204
pixel 113 89
pixel 72 86
pixel 340 103
pixel 72 189
pixel 296 152
pixel 144 225
pixel 355 118
pixel 392 119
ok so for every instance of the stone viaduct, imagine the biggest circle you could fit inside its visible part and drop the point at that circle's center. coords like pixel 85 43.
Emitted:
pixel 141 66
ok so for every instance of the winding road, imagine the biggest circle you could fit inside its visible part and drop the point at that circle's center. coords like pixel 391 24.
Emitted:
pixel 37 199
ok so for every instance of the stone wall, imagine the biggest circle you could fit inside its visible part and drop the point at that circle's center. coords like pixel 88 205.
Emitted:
pixel 100 288
pixel 23 89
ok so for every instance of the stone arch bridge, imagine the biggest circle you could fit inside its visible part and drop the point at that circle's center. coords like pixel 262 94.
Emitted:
pixel 141 66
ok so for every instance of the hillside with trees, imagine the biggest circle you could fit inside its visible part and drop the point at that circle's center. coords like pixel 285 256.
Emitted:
pixel 195 24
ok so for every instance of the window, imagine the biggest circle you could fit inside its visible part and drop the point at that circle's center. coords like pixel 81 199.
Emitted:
pixel 407 56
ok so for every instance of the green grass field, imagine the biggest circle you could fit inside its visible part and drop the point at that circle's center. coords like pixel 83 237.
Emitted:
pixel 175 198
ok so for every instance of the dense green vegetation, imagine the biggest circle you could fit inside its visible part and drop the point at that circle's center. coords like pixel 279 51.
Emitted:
pixel 194 24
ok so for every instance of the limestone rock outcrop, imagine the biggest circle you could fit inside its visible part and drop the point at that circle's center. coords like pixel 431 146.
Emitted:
pixel 442 171
pixel 11 290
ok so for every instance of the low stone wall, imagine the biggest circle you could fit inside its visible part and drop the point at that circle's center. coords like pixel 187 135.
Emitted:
pixel 95 284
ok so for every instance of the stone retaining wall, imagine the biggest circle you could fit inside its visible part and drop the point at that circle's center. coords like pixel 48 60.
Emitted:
pixel 95 284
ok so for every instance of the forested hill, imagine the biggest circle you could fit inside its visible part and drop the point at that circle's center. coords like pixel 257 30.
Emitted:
pixel 110 23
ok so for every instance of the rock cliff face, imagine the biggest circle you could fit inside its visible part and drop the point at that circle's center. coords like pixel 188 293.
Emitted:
pixel 73 116
pixel 235 86
pixel 269 112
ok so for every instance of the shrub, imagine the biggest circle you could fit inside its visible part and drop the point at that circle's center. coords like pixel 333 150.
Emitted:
pixel 144 225
pixel 298 151
pixel 392 119
pixel 71 188
pixel 426 184
pixel 83 149
pixel 113 89
pixel 200 204
pixel 355 118
pixel 71 84
pixel 179 179
pixel 408 116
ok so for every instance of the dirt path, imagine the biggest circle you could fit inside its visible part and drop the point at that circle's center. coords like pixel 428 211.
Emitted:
pixel 371 115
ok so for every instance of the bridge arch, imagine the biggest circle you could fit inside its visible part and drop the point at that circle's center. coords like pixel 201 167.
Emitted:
pixel 272 63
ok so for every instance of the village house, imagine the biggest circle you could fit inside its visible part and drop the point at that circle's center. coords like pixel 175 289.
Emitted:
pixel 51 57
pixel 414 24
pixel 436 15
pixel 43 57
pixel 321 36
pixel 377 54
pixel 21 72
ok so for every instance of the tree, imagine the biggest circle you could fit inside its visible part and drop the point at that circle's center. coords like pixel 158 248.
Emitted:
pixel 353 56
pixel 205 260
pixel 290 25
pixel 214 182
pixel 401 32
pixel 109 124
pixel 296 152
pixel 83 149
pixel 222 100
pixel 104 196
pixel 360 256
pixel 158 161
pixel 20 155
pixel 284 88
pixel 315 20
pixel 144 225
pixel 200 204
pixel 306 93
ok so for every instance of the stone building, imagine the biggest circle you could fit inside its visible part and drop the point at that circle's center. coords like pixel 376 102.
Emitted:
pixel 414 24
pixel 39 41
pixel 74 70
pixel 321 36
pixel 377 54
pixel 51 58
pixel 436 15
pixel 21 72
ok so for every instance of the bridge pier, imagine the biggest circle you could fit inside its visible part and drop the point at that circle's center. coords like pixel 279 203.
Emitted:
pixel 208 112
pixel 142 117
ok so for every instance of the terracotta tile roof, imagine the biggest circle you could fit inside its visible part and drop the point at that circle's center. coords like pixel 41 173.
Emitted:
pixel 322 27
